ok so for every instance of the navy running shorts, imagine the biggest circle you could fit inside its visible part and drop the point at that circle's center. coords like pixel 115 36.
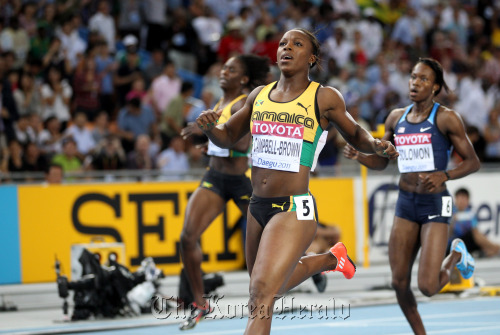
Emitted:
pixel 423 208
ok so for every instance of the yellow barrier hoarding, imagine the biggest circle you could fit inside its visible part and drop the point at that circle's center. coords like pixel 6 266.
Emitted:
pixel 335 201
pixel 148 219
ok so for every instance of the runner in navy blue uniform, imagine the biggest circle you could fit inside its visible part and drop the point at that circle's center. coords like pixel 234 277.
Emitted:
pixel 424 134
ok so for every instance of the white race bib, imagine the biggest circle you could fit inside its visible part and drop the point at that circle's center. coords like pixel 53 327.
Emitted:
pixel 415 152
pixel 214 150
pixel 446 211
pixel 304 207
pixel 277 146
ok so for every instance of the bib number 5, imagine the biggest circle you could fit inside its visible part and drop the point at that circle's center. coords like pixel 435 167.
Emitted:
pixel 304 207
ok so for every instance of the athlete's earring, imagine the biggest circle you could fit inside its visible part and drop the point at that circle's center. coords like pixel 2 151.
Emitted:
pixel 242 82
pixel 433 92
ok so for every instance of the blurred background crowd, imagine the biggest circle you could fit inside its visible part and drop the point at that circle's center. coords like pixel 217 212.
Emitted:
pixel 96 85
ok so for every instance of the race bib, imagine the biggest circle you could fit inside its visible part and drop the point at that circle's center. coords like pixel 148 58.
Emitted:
pixel 304 207
pixel 415 152
pixel 277 146
pixel 446 211
pixel 214 150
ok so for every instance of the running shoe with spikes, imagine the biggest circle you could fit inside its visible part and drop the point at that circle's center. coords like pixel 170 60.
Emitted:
pixel 197 314
pixel 344 263
pixel 320 281
pixel 466 264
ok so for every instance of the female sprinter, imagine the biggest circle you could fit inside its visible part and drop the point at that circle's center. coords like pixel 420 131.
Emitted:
pixel 287 120
pixel 424 206
pixel 225 179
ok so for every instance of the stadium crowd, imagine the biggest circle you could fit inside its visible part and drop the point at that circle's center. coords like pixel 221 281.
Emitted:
pixel 109 84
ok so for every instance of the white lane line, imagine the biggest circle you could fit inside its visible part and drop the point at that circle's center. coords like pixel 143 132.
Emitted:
pixel 370 323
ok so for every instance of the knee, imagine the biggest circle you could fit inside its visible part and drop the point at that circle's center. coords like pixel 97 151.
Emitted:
pixel 427 287
pixel 400 284
pixel 188 239
pixel 260 292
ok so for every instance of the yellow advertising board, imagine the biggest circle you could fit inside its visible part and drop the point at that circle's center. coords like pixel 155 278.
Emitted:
pixel 147 218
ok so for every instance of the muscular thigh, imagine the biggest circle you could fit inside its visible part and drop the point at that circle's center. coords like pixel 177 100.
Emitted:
pixel 283 242
pixel 434 241
pixel 253 235
pixel 404 243
pixel 203 207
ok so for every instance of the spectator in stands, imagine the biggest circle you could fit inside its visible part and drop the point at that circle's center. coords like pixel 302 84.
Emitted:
pixel 27 96
pixel 173 159
pixel 54 174
pixel 68 158
pixel 81 134
pixel 474 102
pixel 27 18
pixel 209 28
pixel 265 26
pixel 40 43
pixel 379 93
pixel 73 46
pixel 183 42
pixel 128 69
pixel 8 108
pixel 130 18
pixel 109 154
pixel 164 88
pixel 408 27
pixel 23 131
pixel 454 19
pixel 338 47
pixel 133 120
pixel 56 95
pixel 50 139
pixel 138 90
pixel 104 23
pixel 86 83
pixel 464 226
pixel 372 33
pixel 361 88
pixel 155 16
pixel 105 67
pixel 48 19
pixel 55 58
pixel 232 43
pixel 155 67
pixel 101 127
pixel 33 159
pixel 492 135
pixel 140 158
pixel 173 118
pixel 13 157
pixel 36 125
pixel 14 38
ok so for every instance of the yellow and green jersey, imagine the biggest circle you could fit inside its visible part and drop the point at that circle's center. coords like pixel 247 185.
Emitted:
pixel 286 134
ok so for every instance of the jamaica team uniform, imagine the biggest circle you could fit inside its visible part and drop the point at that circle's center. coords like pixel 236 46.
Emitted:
pixel 236 187
pixel 422 148
pixel 285 135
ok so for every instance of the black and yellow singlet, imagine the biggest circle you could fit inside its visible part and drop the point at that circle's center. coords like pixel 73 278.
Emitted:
pixel 214 150
pixel 286 134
